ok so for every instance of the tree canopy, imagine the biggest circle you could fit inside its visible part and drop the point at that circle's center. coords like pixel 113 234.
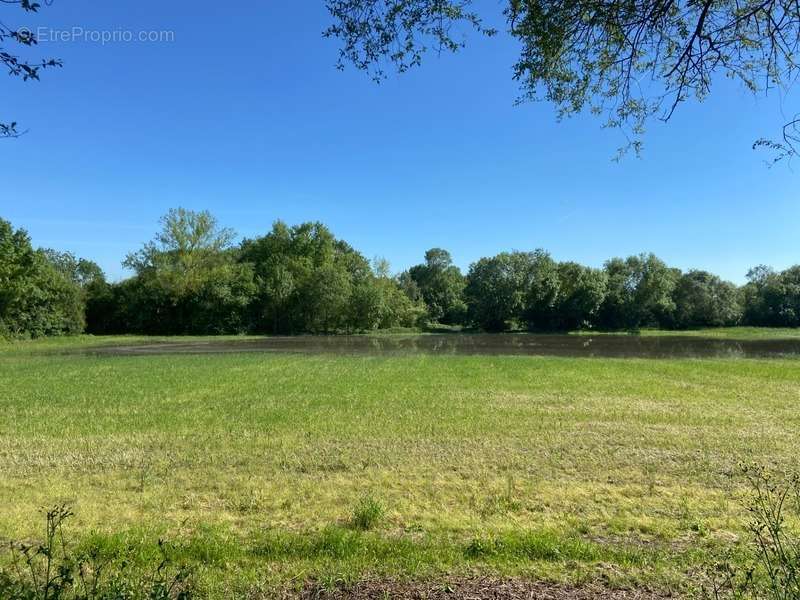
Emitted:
pixel 624 60
pixel 193 278
pixel 441 285
pixel 37 297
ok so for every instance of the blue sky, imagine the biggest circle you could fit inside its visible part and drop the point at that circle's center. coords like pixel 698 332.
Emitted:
pixel 245 115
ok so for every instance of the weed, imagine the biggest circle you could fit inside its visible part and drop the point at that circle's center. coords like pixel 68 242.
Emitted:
pixel 505 502
pixel 772 568
pixel 143 471
pixel 367 513
pixel 247 502
pixel 53 570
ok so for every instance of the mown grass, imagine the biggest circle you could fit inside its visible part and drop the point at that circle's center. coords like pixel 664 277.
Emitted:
pixel 265 468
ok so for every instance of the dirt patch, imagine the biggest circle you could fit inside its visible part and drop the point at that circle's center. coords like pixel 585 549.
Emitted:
pixel 474 589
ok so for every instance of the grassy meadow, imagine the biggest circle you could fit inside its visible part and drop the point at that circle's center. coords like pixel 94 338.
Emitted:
pixel 270 470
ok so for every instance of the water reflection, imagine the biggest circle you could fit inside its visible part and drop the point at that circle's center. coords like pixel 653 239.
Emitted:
pixel 613 346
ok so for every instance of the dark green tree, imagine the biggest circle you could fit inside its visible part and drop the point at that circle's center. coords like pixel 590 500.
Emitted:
pixel 790 304
pixel 380 303
pixel 496 290
pixel 704 300
pixel 772 299
pixel 310 281
pixel 639 293
pixel 326 298
pixel 97 295
pixel 442 287
pixel 581 294
pixel 192 279
pixel 410 287
pixel 188 280
pixel 542 285
pixel 36 298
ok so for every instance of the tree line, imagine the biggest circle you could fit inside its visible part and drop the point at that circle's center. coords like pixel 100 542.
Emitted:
pixel 193 279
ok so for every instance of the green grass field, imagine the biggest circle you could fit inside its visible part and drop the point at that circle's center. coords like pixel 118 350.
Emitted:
pixel 271 470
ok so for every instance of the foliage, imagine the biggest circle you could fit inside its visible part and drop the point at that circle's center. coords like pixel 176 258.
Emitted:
pixel 396 30
pixel 777 543
pixel 542 288
pixel 441 285
pixel 539 292
pixel 188 280
pixel 639 293
pixel 367 513
pixel 379 302
pixel 773 299
pixel 80 271
pixel 704 300
pixel 310 281
pixel 192 279
pixel 96 296
pixel 496 290
pixel 188 244
pixel 622 60
pixel 581 294
pixel 16 65
pixel 36 297
pixel 772 571
pixel 54 570
pixel 532 288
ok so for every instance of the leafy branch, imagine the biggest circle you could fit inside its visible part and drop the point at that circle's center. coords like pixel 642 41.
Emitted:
pixel 16 65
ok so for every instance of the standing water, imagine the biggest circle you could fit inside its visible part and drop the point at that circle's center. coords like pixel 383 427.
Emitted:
pixel 610 346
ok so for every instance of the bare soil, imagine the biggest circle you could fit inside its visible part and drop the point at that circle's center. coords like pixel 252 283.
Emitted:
pixel 474 589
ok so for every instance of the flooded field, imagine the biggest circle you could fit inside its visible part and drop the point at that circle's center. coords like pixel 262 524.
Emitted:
pixel 465 457
pixel 608 346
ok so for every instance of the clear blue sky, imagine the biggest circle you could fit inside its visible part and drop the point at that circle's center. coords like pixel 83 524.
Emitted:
pixel 244 114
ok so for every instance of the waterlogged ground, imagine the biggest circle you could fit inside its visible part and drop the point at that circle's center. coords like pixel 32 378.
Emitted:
pixel 598 346
pixel 262 467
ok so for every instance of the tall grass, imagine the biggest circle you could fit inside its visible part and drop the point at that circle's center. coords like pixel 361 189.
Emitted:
pixel 55 569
